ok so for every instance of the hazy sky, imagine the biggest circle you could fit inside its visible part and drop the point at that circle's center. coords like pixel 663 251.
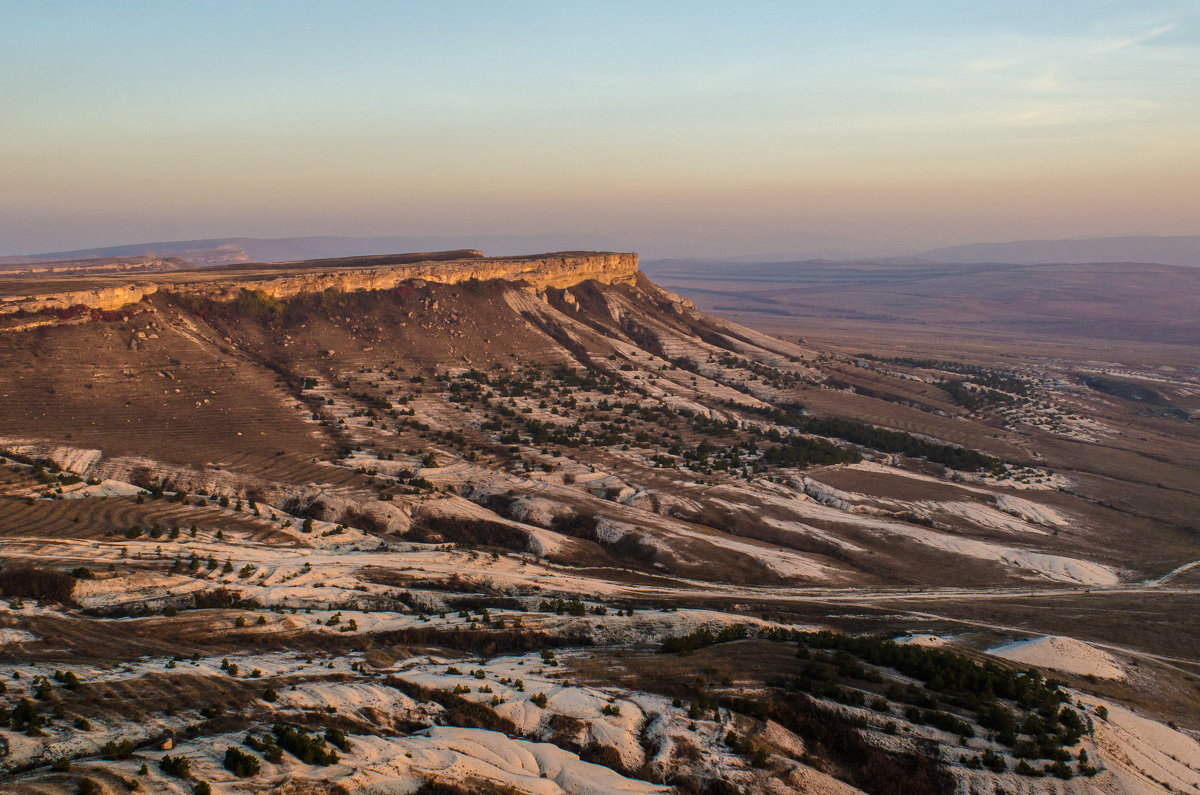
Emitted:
pixel 677 128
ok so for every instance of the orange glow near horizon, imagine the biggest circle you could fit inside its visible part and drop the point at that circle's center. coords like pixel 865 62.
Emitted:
pixel 728 135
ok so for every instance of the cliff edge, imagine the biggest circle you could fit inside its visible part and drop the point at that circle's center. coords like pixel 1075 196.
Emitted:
pixel 284 280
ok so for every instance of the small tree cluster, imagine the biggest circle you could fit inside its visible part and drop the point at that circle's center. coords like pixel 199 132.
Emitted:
pixel 240 763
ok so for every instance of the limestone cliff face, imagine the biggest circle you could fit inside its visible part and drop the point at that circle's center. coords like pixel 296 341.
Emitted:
pixel 558 270
pixel 103 298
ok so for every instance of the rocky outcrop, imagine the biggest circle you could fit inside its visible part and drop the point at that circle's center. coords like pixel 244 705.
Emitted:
pixel 94 267
pixel 560 270
pixel 103 299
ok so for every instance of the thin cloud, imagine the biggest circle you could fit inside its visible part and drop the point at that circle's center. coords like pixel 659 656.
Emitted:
pixel 1102 46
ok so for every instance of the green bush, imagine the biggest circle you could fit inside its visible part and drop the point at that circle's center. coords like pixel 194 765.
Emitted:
pixel 115 751
pixel 309 749
pixel 337 738
pixel 860 433
pixel 240 763
pixel 266 746
pixel 994 761
pixel 177 766
pixel 701 638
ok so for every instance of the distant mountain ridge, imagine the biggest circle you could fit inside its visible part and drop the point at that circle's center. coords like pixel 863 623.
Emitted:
pixel 226 250
pixel 1182 250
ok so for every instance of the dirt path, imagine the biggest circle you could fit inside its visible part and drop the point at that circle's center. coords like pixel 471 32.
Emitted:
pixel 1173 573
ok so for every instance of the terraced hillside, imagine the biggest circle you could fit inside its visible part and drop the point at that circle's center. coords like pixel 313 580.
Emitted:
pixel 464 524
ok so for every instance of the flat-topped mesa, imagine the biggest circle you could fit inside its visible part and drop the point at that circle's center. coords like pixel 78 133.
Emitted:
pixel 285 280
pixel 371 273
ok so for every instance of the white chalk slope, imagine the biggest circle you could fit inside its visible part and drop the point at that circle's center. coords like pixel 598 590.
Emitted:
pixel 1062 654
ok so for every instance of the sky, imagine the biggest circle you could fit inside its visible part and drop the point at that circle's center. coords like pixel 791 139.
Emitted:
pixel 671 128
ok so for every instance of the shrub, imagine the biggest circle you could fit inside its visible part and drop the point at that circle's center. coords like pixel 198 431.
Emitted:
pixel 994 761
pixel 540 700
pixel 1061 770
pixel 216 598
pixel 309 749
pixel 701 638
pixel 337 737
pixel 68 680
pixel 1025 769
pixel 240 763
pixel 115 751
pixel 948 723
pixel 266 746
pixel 882 439
pixel 177 766
pixel 25 717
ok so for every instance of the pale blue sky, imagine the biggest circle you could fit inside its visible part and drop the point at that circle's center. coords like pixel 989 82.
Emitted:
pixel 684 128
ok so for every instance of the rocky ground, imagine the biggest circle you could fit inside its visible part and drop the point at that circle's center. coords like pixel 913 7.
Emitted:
pixel 494 536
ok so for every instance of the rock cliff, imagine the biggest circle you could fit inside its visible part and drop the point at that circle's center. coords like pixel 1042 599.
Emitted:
pixel 558 270
pixel 101 298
